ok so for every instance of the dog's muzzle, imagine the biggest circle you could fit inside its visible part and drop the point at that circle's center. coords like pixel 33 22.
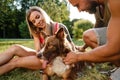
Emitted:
pixel 40 53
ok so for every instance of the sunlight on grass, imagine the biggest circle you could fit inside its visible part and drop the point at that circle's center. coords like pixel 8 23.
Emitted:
pixel 6 43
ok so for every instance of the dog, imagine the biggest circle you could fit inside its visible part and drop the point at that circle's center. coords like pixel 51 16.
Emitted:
pixel 55 49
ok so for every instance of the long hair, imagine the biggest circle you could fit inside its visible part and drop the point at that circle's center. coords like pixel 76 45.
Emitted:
pixel 31 27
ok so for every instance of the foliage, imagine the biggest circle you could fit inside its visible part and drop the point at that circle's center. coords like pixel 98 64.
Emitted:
pixel 7 21
pixel 24 32
pixel 55 9
pixel 80 26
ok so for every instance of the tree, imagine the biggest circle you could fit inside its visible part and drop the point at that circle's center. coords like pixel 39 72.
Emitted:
pixel 55 9
pixel 80 26
pixel 7 22
pixel 24 32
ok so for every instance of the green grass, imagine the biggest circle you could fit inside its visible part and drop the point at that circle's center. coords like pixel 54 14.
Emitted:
pixel 25 74
pixel 5 43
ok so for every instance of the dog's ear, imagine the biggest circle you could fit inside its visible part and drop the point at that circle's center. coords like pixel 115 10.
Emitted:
pixel 61 34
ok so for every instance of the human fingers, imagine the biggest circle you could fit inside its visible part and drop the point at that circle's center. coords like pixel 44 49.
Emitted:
pixel 70 58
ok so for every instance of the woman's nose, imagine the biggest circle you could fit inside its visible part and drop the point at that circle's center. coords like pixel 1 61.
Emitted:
pixel 37 22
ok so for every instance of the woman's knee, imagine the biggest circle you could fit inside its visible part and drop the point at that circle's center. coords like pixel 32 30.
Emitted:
pixel 14 48
pixel 21 51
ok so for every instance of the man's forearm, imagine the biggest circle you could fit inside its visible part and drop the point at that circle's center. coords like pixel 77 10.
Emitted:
pixel 100 54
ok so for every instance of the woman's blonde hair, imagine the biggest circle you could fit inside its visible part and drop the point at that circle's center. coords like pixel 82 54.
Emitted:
pixel 31 27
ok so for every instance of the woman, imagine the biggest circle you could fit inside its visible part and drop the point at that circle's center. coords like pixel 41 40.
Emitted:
pixel 38 22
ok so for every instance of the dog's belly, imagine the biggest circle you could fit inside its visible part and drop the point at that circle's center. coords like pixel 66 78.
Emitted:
pixel 59 67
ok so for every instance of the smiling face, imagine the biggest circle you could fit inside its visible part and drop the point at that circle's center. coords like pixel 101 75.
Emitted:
pixel 37 19
pixel 85 5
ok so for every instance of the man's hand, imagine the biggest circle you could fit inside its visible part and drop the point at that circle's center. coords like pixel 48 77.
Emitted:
pixel 71 58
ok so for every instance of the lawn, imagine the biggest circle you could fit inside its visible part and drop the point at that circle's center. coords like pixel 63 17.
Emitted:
pixel 25 74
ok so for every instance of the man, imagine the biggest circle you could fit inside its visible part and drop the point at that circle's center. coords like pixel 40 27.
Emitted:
pixel 110 51
pixel 94 37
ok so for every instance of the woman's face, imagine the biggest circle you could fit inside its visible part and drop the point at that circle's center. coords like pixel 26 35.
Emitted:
pixel 84 5
pixel 37 19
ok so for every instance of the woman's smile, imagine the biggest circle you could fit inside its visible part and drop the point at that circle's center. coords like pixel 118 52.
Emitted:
pixel 37 19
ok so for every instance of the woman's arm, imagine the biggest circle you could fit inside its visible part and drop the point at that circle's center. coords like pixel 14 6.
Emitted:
pixel 36 43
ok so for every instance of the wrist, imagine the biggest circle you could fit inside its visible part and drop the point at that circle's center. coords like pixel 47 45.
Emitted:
pixel 80 56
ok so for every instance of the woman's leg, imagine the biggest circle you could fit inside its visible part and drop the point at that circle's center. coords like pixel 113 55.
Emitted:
pixel 29 62
pixel 15 50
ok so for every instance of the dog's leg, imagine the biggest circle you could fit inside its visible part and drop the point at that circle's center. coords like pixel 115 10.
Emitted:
pixel 45 77
pixel 66 75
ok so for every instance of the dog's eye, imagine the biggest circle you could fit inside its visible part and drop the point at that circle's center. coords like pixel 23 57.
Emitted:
pixel 50 46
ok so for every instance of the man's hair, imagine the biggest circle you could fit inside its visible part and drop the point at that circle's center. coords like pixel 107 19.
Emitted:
pixel 94 4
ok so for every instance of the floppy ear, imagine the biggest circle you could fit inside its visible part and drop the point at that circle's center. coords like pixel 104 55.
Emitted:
pixel 61 34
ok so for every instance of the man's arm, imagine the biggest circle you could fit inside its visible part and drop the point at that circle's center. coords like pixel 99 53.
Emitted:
pixel 111 50
pixel 100 54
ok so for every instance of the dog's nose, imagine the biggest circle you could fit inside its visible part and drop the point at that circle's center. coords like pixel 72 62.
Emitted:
pixel 39 55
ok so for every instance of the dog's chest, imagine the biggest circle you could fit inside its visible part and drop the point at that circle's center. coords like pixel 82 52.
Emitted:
pixel 59 67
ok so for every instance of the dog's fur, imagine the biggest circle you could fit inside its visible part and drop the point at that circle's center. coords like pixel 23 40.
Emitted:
pixel 55 49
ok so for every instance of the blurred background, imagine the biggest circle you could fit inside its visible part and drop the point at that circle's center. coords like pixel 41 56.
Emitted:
pixel 13 24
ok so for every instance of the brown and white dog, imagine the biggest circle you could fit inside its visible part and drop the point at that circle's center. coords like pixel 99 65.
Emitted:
pixel 55 49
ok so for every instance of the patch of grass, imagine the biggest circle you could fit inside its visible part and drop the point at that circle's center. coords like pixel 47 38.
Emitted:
pixel 21 74
pixel 6 43
pixel 25 74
